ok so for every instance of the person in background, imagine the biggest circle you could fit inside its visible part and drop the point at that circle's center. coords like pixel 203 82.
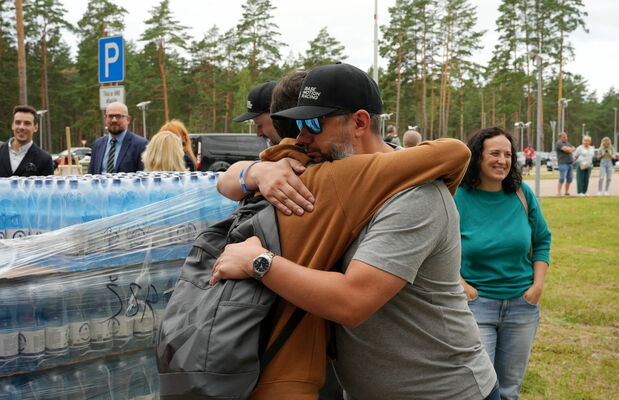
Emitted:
pixel 412 138
pixel 392 136
pixel 259 110
pixel 121 150
pixel 178 128
pixel 565 159
pixel 285 95
pixel 584 161
pixel 20 156
pixel 529 155
pixel 607 155
pixel 505 254
pixel 164 152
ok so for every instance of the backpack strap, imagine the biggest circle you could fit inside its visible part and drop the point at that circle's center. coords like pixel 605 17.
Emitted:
pixel 523 200
pixel 290 326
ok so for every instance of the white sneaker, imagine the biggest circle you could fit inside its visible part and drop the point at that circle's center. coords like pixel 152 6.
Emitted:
pixel 605 193
pixel 600 193
pixel 581 194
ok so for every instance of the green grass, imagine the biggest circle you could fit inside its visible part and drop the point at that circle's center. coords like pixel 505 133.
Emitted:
pixel 576 352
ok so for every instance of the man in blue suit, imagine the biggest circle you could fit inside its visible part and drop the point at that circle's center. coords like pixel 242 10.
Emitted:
pixel 121 150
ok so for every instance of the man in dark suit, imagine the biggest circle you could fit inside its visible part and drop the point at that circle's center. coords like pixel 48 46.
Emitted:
pixel 20 156
pixel 121 150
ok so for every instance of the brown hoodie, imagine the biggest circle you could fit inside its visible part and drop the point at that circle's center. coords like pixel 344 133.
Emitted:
pixel 348 192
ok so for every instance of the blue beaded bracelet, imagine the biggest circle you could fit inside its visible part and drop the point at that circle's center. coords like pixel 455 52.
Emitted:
pixel 242 177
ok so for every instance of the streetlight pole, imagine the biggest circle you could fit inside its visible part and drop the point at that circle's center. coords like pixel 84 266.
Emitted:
pixel 142 106
pixel 564 103
pixel 540 125
pixel 375 72
pixel 40 113
pixel 615 129
pixel 553 125
pixel 583 130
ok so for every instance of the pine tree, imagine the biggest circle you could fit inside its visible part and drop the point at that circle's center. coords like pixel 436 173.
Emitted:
pixel 567 16
pixel 324 49
pixel 459 40
pixel 44 19
pixel 165 33
pixel 257 37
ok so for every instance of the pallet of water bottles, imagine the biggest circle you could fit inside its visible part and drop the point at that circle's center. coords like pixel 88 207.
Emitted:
pixel 83 295
pixel 34 205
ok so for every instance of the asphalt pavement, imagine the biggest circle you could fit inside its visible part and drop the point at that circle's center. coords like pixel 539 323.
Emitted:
pixel 548 186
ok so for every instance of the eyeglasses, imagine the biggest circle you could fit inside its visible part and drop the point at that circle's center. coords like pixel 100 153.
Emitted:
pixel 115 116
pixel 313 124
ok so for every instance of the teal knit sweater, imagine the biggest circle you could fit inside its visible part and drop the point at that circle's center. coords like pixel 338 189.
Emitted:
pixel 496 239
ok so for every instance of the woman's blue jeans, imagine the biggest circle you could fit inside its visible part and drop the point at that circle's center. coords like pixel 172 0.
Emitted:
pixel 507 329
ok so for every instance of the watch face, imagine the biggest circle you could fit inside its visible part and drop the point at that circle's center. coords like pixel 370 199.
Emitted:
pixel 261 265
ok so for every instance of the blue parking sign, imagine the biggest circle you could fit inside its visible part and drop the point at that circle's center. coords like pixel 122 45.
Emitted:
pixel 111 59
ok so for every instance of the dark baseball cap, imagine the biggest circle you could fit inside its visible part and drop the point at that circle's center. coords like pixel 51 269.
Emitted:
pixel 334 87
pixel 258 101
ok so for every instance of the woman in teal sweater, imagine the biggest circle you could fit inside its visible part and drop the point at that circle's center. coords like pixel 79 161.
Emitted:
pixel 505 254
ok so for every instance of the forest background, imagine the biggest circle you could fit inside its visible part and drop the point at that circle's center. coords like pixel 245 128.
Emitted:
pixel 430 77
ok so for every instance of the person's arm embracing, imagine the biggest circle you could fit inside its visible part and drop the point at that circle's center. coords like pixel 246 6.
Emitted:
pixel 277 182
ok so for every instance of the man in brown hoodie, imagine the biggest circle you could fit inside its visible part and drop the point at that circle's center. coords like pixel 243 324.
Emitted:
pixel 405 328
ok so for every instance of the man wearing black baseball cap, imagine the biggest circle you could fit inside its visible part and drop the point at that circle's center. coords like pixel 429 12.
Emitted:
pixel 258 109
pixel 403 325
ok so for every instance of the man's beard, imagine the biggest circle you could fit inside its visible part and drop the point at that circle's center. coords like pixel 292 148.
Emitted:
pixel 115 130
pixel 341 147
pixel 339 151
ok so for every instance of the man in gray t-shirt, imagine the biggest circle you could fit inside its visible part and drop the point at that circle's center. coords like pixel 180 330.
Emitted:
pixel 565 159
pixel 424 342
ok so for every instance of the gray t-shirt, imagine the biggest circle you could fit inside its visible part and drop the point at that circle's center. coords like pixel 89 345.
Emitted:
pixel 424 342
pixel 563 157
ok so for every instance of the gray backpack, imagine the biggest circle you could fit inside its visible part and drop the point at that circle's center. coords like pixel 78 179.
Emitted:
pixel 212 339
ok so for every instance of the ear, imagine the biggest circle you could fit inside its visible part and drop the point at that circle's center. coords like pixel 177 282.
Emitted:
pixel 362 121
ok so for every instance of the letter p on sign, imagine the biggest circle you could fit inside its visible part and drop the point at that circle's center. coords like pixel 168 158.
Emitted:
pixel 111 59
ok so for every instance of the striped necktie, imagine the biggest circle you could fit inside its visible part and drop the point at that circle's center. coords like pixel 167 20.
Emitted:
pixel 111 156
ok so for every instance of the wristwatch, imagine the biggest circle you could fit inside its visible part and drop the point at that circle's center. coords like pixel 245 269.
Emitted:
pixel 262 264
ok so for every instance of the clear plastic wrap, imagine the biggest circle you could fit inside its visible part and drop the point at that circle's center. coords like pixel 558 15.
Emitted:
pixel 82 302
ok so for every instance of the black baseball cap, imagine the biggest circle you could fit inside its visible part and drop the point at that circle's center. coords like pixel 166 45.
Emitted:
pixel 334 87
pixel 258 101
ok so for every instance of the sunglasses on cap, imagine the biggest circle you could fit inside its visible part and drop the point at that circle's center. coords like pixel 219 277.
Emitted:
pixel 313 124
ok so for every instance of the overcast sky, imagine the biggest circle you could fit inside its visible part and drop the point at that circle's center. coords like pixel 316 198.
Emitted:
pixel 351 22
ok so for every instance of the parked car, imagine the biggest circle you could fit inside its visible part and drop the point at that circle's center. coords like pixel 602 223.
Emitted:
pixel 551 163
pixel 82 154
pixel 217 151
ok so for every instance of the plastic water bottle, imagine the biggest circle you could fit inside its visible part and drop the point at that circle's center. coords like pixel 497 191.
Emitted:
pixel 79 325
pixel 92 380
pixel 122 328
pixel 56 204
pixel 120 369
pixel 141 311
pixel 98 306
pixel 9 331
pixel 14 209
pixel 115 199
pixel 10 389
pixel 148 360
pixel 139 387
pixel 73 204
pixel 31 334
pixel 37 203
pixel 52 315
pixel 56 385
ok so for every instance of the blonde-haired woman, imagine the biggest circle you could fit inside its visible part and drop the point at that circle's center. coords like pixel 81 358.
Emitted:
pixel 607 155
pixel 164 152
pixel 178 128
pixel 584 164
